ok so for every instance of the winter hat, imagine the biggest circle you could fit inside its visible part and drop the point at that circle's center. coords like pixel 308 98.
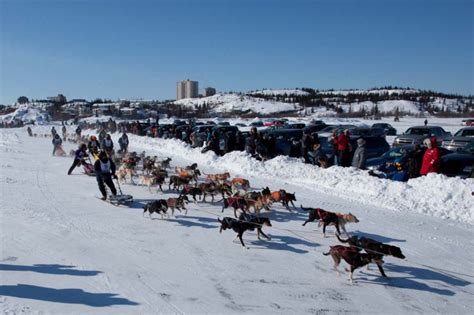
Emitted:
pixel 102 156
pixel 360 141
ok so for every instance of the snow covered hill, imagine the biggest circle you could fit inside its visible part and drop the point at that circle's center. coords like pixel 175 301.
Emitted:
pixel 227 103
pixel 27 113
pixel 66 252
pixel 383 107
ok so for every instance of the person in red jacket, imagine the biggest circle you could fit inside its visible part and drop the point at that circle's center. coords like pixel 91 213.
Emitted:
pixel 431 158
pixel 344 149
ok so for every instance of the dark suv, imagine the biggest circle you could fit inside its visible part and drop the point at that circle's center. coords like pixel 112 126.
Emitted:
pixel 284 139
pixel 387 128
pixel 416 135
pixel 375 146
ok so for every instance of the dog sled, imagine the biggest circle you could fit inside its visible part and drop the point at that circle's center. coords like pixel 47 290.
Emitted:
pixel 59 152
pixel 120 198
pixel 88 168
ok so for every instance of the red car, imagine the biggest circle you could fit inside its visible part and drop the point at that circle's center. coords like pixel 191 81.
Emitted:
pixel 276 123
pixel 468 122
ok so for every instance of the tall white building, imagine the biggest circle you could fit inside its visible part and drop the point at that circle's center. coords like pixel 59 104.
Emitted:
pixel 187 89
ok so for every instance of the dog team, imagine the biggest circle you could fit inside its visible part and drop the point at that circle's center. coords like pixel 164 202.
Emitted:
pixel 247 205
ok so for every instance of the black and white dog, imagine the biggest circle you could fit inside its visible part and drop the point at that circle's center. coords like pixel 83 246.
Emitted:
pixel 159 206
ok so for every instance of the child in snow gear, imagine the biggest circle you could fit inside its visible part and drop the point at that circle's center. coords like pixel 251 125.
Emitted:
pixel 57 143
pixel 104 169
pixel 64 130
pixel 79 157
pixel 431 158
pixel 123 142
pixel 30 132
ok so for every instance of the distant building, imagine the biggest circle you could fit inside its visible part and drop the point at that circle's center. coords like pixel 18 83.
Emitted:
pixel 61 99
pixel 209 91
pixel 187 89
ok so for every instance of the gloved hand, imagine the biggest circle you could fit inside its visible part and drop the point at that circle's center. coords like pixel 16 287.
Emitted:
pixel 114 176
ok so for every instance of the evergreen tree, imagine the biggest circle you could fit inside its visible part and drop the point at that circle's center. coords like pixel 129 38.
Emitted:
pixel 22 100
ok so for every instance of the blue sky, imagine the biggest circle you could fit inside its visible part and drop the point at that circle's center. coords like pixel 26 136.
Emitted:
pixel 139 49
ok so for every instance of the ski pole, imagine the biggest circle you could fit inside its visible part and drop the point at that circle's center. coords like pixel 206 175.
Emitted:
pixel 118 185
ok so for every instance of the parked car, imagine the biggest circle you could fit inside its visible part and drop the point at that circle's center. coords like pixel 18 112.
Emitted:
pixel 378 163
pixel 222 129
pixel 468 122
pixel 416 135
pixel 256 124
pixel 366 132
pixel 317 122
pixel 178 122
pixel 293 126
pixel 284 139
pixel 375 146
pixel 387 128
pixel 274 122
pixel 314 128
pixel 460 163
pixel 463 137
pixel 327 132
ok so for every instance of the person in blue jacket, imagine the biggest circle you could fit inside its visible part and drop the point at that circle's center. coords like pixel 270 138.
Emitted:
pixel 79 157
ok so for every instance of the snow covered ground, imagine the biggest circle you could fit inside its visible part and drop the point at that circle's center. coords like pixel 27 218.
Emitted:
pixel 63 251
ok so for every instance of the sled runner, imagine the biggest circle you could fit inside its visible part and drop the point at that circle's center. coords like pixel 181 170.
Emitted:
pixel 120 198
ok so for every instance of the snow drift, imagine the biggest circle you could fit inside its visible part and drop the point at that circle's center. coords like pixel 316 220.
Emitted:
pixel 435 195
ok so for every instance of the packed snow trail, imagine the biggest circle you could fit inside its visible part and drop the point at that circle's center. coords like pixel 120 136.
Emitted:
pixel 64 251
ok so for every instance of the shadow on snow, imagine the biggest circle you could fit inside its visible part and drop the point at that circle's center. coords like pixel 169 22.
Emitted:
pixel 68 296
pixel 50 269
pixel 414 274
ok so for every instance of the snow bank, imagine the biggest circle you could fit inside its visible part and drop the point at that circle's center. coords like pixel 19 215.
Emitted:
pixel 234 102
pixel 435 195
